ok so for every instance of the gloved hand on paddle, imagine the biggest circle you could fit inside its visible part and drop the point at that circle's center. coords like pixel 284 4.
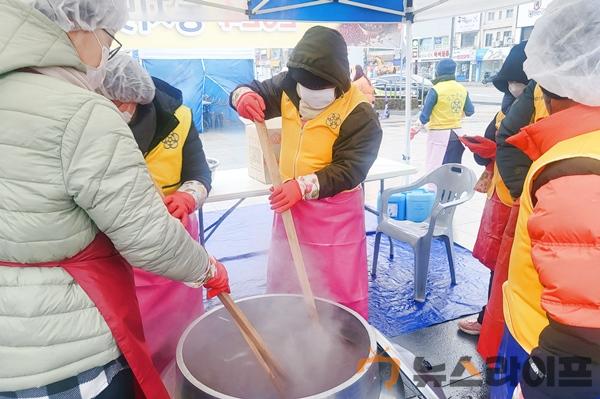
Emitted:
pixel 251 106
pixel 284 196
pixel 180 205
pixel 219 283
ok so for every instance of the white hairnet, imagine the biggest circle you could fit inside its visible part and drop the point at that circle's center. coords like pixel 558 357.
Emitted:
pixel 87 15
pixel 563 54
pixel 127 81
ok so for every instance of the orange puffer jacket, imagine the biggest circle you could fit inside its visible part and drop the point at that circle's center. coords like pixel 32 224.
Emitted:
pixel 552 297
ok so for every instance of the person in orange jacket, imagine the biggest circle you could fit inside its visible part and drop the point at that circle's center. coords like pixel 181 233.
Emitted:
pixel 363 83
pixel 551 345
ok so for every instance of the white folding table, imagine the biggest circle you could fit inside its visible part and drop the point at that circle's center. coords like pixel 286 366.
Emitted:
pixel 235 184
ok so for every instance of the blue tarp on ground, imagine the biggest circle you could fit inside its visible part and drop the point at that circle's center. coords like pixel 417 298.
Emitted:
pixel 198 78
pixel 392 309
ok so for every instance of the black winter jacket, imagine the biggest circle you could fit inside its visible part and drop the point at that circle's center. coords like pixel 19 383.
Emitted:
pixel 513 164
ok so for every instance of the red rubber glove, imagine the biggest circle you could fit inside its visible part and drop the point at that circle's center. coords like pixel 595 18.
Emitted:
pixel 413 132
pixel 219 283
pixel 251 106
pixel 481 146
pixel 285 196
pixel 180 205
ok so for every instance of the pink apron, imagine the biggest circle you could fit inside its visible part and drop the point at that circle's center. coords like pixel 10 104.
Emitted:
pixel 167 308
pixel 332 236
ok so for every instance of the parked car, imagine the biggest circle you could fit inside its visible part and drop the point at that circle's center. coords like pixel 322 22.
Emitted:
pixel 394 86
pixel 488 78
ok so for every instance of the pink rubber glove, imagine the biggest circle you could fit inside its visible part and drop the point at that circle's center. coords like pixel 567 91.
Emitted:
pixel 219 283
pixel 251 106
pixel 180 205
pixel 285 196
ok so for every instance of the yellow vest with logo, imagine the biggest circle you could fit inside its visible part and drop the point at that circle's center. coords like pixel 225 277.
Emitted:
pixel 165 161
pixel 523 311
pixel 539 104
pixel 497 184
pixel 449 109
pixel 309 148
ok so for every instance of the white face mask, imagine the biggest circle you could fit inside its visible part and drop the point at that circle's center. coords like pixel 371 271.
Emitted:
pixel 313 102
pixel 516 88
pixel 95 75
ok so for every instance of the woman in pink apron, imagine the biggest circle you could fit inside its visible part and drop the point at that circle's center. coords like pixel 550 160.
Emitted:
pixel 330 139
pixel 165 133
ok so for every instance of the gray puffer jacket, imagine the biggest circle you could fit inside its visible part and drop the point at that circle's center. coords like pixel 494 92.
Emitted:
pixel 69 169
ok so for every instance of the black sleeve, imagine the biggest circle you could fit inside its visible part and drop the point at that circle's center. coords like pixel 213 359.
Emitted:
pixel 271 90
pixel 354 152
pixel 513 164
pixel 194 165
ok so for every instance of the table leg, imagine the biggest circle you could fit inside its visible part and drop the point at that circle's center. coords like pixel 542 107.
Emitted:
pixel 213 227
pixel 375 211
pixel 201 226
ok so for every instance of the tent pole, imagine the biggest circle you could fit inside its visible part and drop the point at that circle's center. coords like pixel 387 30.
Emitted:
pixel 408 81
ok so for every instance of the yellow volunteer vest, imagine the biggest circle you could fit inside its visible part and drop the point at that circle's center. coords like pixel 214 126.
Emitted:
pixel 165 161
pixel 539 105
pixel 449 109
pixel 497 184
pixel 306 150
pixel 523 312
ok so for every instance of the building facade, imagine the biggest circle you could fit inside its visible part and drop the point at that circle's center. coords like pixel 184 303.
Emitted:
pixel 496 39
pixel 479 43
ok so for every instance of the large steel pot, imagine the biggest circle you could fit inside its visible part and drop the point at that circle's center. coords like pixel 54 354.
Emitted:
pixel 213 360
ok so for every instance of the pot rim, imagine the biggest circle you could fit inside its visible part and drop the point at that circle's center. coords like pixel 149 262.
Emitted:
pixel 346 384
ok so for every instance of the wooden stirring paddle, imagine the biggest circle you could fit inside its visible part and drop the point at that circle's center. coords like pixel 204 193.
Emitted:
pixel 288 221
pixel 256 344
pixel 251 336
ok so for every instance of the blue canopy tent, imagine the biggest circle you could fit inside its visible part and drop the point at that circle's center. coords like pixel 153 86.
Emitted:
pixel 205 82
pixel 205 77
pixel 359 11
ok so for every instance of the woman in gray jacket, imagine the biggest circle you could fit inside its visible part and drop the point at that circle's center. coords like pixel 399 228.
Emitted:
pixel 77 207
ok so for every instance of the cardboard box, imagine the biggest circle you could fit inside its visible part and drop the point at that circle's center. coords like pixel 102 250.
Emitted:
pixel 257 167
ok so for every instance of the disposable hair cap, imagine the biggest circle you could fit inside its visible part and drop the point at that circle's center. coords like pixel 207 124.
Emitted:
pixel 563 54
pixel 127 81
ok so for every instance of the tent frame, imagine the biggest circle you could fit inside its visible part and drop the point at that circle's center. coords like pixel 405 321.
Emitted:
pixel 258 10
pixel 408 7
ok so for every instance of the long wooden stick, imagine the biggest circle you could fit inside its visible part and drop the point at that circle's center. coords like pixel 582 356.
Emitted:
pixel 288 221
pixel 254 340
pixel 256 343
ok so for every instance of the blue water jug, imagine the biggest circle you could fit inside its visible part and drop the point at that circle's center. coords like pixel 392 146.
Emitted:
pixel 419 204
pixel 396 206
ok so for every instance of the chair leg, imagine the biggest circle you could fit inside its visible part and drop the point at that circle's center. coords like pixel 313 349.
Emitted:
pixel 449 242
pixel 391 248
pixel 376 255
pixel 422 252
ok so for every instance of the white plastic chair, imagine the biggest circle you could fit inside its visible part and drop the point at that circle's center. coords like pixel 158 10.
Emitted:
pixel 454 185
